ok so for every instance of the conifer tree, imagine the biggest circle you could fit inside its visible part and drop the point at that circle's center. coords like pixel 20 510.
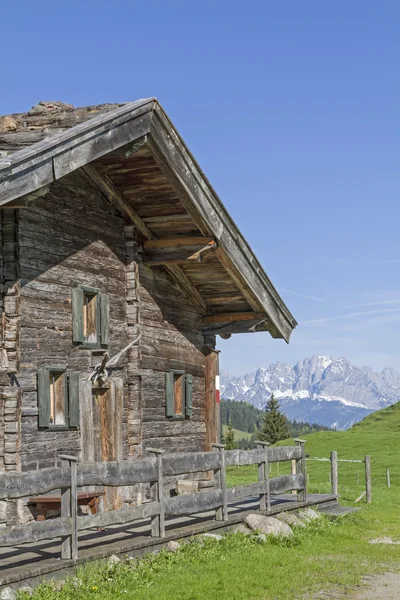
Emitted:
pixel 229 438
pixel 274 426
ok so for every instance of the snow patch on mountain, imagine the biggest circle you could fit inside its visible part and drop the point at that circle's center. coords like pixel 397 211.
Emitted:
pixel 319 389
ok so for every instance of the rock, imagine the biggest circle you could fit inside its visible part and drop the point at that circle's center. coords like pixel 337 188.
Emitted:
pixel 241 528
pixel 113 560
pixel 26 589
pixel 187 486
pixel 45 108
pixel 308 514
pixel 261 538
pixel 8 124
pixel 268 526
pixel 172 546
pixel 290 518
pixel 214 536
pixel 8 594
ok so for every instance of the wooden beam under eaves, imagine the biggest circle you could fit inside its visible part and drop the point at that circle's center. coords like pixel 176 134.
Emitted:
pixel 98 176
pixel 177 242
pixel 232 318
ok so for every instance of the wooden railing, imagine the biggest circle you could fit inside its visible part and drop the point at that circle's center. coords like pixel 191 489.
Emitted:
pixel 72 475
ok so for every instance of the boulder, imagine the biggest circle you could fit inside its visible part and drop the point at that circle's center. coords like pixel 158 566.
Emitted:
pixel 308 514
pixel 8 124
pixel 8 594
pixel 241 528
pixel 290 518
pixel 172 546
pixel 268 526
pixel 113 560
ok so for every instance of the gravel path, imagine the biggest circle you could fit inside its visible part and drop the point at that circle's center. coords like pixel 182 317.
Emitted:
pixel 379 587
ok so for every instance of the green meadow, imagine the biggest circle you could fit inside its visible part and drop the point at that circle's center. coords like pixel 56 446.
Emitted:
pixel 328 554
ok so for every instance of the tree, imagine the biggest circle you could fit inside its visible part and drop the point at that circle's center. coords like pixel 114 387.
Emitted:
pixel 274 426
pixel 229 438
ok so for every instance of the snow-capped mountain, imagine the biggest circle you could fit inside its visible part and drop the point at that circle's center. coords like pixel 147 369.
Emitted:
pixel 319 389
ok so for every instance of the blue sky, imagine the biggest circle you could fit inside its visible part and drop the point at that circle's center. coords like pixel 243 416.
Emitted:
pixel 293 111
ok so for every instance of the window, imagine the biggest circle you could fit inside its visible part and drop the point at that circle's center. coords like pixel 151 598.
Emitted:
pixel 90 317
pixel 58 398
pixel 178 387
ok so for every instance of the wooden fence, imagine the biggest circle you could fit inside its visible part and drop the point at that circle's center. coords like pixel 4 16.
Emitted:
pixel 72 475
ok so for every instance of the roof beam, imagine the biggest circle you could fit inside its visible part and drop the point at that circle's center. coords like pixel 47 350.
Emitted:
pixel 101 180
pixel 177 255
pixel 232 318
pixel 177 242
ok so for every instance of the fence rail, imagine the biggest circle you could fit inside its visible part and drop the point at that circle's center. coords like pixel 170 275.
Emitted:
pixel 71 475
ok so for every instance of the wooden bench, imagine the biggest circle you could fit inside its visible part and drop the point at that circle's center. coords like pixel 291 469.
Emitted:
pixel 53 502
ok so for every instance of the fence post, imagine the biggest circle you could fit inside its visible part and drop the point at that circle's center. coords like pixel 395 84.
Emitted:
pixel 387 477
pixel 368 479
pixel 334 472
pixel 221 514
pixel 301 467
pixel 158 521
pixel 293 471
pixel 263 476
pixel 69 508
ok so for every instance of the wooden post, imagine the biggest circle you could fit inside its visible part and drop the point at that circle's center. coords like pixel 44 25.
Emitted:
pixel 212 394
pixel 221 514
pixel 69 508
pixel 301 468
pixel 387 477
pixel 293 470
pixel 334 472
pixel 368 479
pixel 263 476
pixel 158 521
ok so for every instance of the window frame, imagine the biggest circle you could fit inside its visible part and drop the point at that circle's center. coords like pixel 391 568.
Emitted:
pixel 102 317
pixel 170 399
pixel 71 398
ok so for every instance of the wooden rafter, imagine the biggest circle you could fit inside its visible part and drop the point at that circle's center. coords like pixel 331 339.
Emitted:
pixel 177 242
pixel 232 318
pixel 97 175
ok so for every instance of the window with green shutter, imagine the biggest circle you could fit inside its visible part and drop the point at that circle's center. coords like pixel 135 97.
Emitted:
pixel 178 395
pixel 58 398
pixel 90 317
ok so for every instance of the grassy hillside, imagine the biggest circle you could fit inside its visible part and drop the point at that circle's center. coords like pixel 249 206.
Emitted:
pixel 239 435
pixel 377 435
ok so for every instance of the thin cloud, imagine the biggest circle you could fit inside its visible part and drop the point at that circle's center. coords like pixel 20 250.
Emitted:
pixel 352 316
pixel 302 295
pixel 382 303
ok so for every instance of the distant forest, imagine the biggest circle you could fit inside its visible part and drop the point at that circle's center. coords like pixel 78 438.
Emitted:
pixel 246 417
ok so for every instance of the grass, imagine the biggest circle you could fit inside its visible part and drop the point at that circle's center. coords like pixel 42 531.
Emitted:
pixel 239 435
pixel 327 553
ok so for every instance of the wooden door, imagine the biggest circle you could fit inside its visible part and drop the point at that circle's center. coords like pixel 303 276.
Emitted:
pixel 101 429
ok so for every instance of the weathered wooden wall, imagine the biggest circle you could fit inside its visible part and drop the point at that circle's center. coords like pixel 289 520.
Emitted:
pixel 171 339
pixel 70 237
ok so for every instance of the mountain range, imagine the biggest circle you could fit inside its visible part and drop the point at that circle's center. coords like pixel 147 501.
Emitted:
pixel 319 389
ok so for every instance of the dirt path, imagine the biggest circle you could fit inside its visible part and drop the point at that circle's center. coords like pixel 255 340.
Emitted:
pixel 379 587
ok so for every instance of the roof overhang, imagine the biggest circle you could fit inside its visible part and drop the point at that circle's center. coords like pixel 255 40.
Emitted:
pixel 132 126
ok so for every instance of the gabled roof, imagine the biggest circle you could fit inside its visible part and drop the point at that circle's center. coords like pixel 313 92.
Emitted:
pixel 138 161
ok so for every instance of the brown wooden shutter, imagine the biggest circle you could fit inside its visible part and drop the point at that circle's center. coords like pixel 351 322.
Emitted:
pixel 169 394
pixel 104 303
pixel 43 390
pixel 73 399
pixel 188 395
pixel 77 315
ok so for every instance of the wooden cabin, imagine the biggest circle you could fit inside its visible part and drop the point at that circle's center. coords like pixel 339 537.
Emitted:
pixel 119 267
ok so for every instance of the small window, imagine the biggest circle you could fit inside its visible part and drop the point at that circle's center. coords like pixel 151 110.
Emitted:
pixel 90 317
pixel 178 395
pixel 58 398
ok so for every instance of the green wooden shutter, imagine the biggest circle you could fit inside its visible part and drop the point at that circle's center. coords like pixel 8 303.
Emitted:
pixel 169 394
pixel 43 387
pixel 77 315
pixel 73 399
pixel 104 319
pixel 188 395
